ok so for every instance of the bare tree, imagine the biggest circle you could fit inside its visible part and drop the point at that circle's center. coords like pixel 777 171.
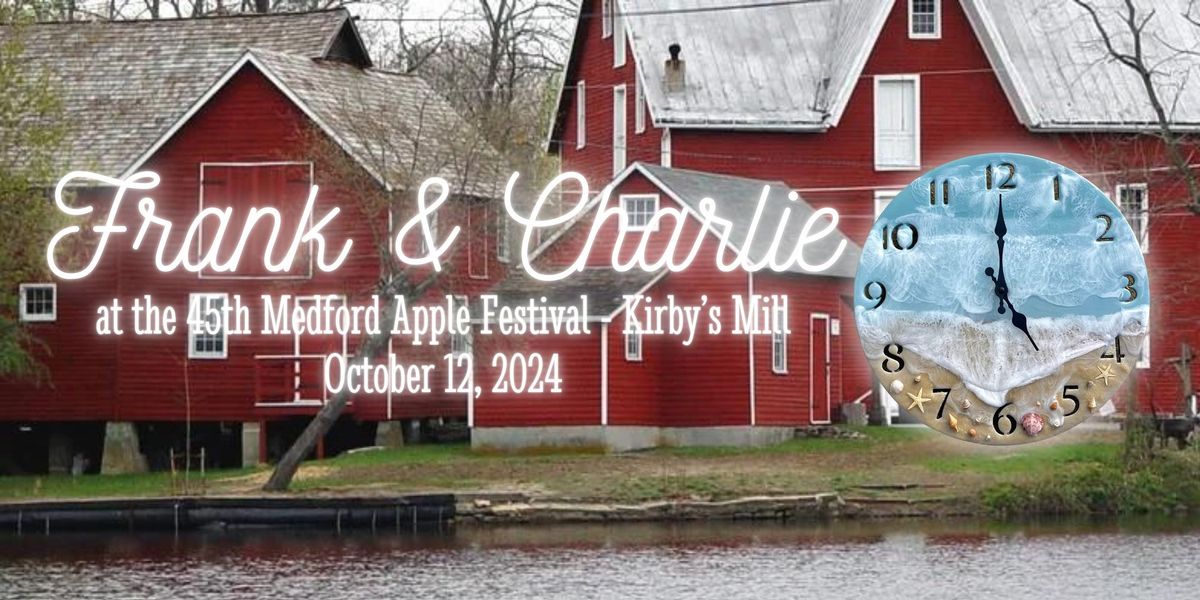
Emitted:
pixel 1124 40
pixel 398 45
pixel 405 143
pixel 499 66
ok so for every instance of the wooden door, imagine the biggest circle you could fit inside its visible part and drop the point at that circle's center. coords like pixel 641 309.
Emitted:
pixel 819 369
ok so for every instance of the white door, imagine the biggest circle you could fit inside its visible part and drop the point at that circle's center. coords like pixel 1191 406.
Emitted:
pixel 897 122
pixel 619 126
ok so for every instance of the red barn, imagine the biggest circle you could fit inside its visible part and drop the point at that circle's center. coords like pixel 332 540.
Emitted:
pixel 846 102
pixel 623 389
pixel 230 112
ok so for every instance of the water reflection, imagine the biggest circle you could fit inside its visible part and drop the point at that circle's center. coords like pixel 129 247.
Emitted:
pixel 867 559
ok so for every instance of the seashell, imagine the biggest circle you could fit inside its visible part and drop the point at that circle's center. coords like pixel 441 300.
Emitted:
pixel 966 404
pixel 954 423
pixel 1032 423
pixel 979 419
pixel 1056 420
pixel 1092 404
pixel 897 386
pixel 988 437
pixel 1091 383
pixel 971 432
pixel 1054 405
pixel 917 379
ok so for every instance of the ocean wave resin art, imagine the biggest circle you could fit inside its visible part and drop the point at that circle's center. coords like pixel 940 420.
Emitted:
pixel 1002 298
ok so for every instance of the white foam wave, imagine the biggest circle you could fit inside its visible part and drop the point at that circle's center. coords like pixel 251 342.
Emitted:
pixel 994 357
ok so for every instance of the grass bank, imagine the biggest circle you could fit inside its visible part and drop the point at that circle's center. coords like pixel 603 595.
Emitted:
pixel 1074 473
pixel 1168 483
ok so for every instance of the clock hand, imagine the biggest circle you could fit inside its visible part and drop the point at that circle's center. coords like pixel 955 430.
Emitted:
pixel 997 275
pixel 1019 320
pixel 1001 230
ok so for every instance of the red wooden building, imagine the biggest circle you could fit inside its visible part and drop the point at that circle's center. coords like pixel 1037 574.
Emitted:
pixel 623 389
pixel 667 101
pixel 232 111
pixel 844 102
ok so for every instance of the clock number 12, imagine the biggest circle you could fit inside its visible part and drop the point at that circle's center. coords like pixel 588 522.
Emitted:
pixel 1008 183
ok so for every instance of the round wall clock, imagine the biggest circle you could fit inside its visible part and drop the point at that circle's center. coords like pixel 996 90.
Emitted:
pixel 1002 298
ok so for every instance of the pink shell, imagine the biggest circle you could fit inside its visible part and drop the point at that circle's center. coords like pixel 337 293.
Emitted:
pixel 1033 423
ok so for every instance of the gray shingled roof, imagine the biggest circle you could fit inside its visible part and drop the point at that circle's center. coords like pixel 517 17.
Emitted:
pixel 1057 73
pixel 123 84
pixel 794 66
pixel 737 200
pixel 126 84
pixel 787 65
pixel 604 287
pixel 396 125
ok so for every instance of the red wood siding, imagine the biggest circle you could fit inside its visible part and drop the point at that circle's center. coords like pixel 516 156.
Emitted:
pixel 143 378
pixel 964 110
pixel 579 363
pixel 596 70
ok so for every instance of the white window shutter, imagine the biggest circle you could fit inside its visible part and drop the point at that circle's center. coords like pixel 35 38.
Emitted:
pixel 618 38
pixel 580 115
pixel 664 158
pixel 620 127
pixel 897 123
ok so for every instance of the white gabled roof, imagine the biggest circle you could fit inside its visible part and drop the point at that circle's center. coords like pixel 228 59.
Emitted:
pixel 794 66
pixel 784 66
pixel 1058 75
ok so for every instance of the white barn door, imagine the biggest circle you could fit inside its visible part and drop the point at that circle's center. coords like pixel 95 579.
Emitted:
pixel 897 122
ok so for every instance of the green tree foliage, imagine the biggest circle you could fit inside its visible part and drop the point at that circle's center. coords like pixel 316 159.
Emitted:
pixel 31 131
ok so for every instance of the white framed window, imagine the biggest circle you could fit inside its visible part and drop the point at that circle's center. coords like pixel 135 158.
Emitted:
pixel 208 334
pixel 897 122
pixel 633 347
pixel 39 302
pixel 460 343
pixel 882 199
pixel 618 34
pixel 637 212
pixel 580 114
pixel 924 19
pixel 620 128
pixel 639 106
pixel 1143 361
pixel 504 235
pixel 779 341
pixel 1134 201
pixel 606 17
pixel 664 148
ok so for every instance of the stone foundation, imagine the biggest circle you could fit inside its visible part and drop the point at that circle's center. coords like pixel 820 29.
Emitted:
pixel 251 432
pixel 389 434
pixel 122 451
pixel 625 437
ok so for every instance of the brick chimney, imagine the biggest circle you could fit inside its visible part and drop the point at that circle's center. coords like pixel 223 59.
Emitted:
pixel 675 70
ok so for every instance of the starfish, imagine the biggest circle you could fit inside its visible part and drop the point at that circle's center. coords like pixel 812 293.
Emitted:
pixel 918 400
pixel 1105 374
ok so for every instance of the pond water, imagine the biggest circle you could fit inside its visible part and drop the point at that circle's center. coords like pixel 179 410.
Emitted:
pixel 727 561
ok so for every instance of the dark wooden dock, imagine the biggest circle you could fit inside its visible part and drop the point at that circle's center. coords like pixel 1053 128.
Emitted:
pixel 394 513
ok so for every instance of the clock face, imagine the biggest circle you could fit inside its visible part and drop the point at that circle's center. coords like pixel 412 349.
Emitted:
pixel 1002 299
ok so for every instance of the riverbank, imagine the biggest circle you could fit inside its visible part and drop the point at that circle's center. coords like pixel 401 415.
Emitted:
pixel 883 472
